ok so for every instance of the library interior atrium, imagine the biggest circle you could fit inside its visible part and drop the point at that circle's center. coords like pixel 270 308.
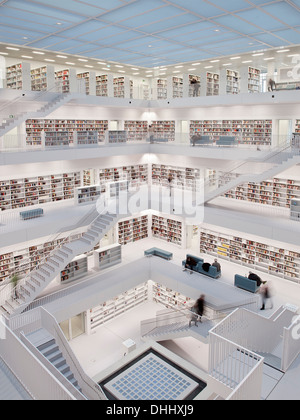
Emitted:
pixel 150 200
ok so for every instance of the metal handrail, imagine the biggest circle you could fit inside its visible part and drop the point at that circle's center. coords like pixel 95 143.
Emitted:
pixel 7 292
pixel 271 155
pixel 36 97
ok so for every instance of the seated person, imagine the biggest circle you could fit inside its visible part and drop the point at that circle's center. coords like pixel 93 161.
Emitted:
pixel 256 278
pixel 206 267
pixel 195 138
pixel 190 263
pixel 217 265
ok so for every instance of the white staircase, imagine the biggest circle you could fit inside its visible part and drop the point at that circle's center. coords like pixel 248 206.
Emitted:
pixel 287 161
pixel 15 301
pixel 169 325
pixel 49 349
pixel 54 102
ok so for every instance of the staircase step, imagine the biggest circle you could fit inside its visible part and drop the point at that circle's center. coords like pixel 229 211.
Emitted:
pixel 85 241
pixel 50 267
pixel 44 271
pixel 35 280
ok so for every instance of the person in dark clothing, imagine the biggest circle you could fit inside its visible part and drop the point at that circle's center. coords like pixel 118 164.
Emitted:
pixel 198 311
pixel 256 278
pixel 217 265
pixel 206 267
pixel 190 263
pixel 265 295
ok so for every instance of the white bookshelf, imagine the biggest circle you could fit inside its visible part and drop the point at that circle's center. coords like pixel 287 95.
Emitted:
pixel 35 129
pixel 254 255
pixel 168 230
pixel 18 77
pixel 250 132
pixel 170 298
pixel 77 269
pixel 67 80
pixel 137 175
pixel 112 308
pixel 86 138
pixel 87 195
pixel 295 210
pixel 161 89
pixel 133 230
pixel 123 87
pixel 250 80
pixel 116 136
pixel 42 78
pixel 278 192
pixel 175 87
pixel 89 79
pixel 210 84
pixel 58 138
pixel 136 130
pixel 164 130
pixel 22 261
pixel 24 192
pixel 107 257
pixel 182 178
pixel 229 82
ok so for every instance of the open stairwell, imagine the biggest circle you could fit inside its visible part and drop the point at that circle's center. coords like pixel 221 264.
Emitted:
pixel 49 349
pixel 31 287
pixel 287 161
pixel 54 102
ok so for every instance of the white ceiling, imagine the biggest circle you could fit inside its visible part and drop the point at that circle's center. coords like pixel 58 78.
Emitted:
pixel 150 33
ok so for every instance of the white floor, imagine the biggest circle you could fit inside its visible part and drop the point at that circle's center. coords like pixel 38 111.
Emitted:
pixel 104 347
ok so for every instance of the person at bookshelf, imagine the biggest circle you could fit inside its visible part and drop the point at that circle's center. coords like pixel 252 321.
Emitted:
pixel 170 180
pixel 217 265
pixel 196 87
pixel 151 132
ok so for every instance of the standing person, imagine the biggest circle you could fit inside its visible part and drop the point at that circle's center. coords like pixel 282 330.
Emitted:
pixel 151 132
pixel 266 295
pixel 198 311
pixel 196 86
pixel 170 179
pixel 217 265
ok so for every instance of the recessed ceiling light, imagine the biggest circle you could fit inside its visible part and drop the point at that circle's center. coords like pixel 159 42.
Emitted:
pixel 61 56
pixel 235 58
pixel 227 64
pixel 215 61
pixel 208 67
pixel 13 49
pixel 178 67
pixel 135 74
pixel 217 30
pixel 121 71
pixel 197 64
pixel 149 71
pixel 3 53
pixel 71 64
pixel 294 55
pixel 162 74
pixel 48 59
pixel 192 69
pixel 120 67
pixel 102 64
pixel 58 23
pixel 83 60
pixel 26 56
pixel 257 54
pixel 133 68
pixel 270 58
pixel 246 62
pixel 24 37
pixel 104 68
pixel 282 51
pixel 38 52
pixel 177 71
pixel 90 67
pixel 149 75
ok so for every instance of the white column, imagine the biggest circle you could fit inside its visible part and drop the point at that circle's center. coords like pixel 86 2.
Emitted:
pixel 92 82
